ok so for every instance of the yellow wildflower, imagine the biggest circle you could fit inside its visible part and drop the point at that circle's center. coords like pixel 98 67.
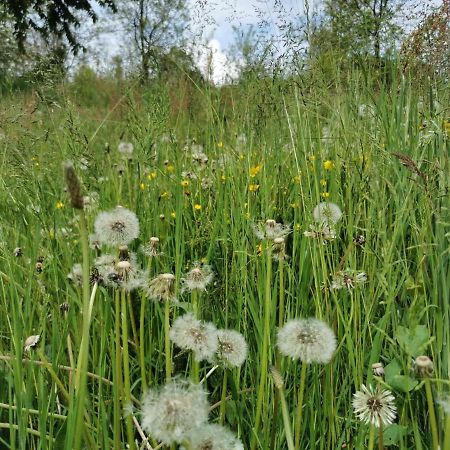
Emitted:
pixel 170 168
pixel 328 165
pixel 220 144
pixel 325 194
pixel 296 179
pixel 298 227
pixel 59 205
pixel 185 183
pixel 164 194
pixel 173 215
pixel 312 157
pixel 255 170
pixel 197 207
pixel 253 187
pixel 223 178
pixel 142 186
pixel 241 156
pixel 323 182
pixel 259 249
pixel 151 175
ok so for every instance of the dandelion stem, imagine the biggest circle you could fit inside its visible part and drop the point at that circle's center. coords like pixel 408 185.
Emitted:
pixel 142 344
pixel 167 340
pixel 264 355
pixel 299 415
pixel 118 375
pixel 380 434
pixel 371 438
pixel 447 432
pixel 126 370
pixel 223 397
pixel 432 414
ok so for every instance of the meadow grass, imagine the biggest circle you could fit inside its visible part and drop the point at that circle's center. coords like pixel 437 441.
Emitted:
pixel 302 146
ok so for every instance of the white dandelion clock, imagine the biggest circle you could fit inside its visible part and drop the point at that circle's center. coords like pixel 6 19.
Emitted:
pixel 374 406
pixel 348 279
pixel 118 226
pixel 197 278
pixel 169 414
pixel 76 275
pixel 162 288
pixel 189 333
pixel 232 348
pixel 31 342
pixel 213 437
pixel 310 340
pixel 328 213
pixel 125 148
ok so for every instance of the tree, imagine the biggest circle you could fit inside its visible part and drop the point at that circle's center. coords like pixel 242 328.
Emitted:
pixel 51 18
pixel 157 27
pixel 363 26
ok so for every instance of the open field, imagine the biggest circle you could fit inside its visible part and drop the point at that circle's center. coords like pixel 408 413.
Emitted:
pixel 213 178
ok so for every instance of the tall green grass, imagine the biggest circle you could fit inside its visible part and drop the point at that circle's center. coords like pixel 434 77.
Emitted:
pixel 399 205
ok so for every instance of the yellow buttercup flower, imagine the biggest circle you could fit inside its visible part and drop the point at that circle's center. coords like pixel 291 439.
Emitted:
pixel 151 175
pixel 255 170
pixel 185 183
pixel 325 194
pixel 323 182
pixel 197 207
pixel 170 168
pixel 142 186
pixel 220 144
pixel 253 187
pixel 296 179
pixel 59 205
pixel 173 215
pixel 328 165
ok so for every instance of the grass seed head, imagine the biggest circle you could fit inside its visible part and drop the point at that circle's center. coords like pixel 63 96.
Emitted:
pixel 73 186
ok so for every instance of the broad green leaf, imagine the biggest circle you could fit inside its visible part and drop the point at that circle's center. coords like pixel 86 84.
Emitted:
pixel 393 433
pixel 413 341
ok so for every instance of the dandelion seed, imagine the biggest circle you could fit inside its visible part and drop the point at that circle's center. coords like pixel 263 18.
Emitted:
pixel 378 369
pixel 31 341
pixel 118 226
pixel 152 248
pixel 232 348
pixel 327 213
pixel 323 232
pixel 170 413
pixel 310 340
pixel 125 148
pixel 76 275
pixel 189 333
pixel 162 288
pixel 271 230
pixel 197 278
pixel 423 366
pixel 213 437
pixel 348 279
pixel 374 406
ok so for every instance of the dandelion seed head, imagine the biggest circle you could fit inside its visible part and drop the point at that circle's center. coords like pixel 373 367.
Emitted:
pixel 232 348
pixel 162 288
pixel 213 437
pixel 125 148
pixel 378 369
pixel 270 230
pixel 170 413
pixel 374 406
pixel 197 278
pixel 348 279
pixel 151 249
pixel 31 341
pixel 76 275
pixel 189 333
pixel 310 340
pixel 327 213
pixel 118 226
pixel 323 232
pixel 423 366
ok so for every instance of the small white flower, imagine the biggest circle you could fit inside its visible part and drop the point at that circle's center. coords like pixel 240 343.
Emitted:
pixel 310 340
pixel 189 333
pixel 374 406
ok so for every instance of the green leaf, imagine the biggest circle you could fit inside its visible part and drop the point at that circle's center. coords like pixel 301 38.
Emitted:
pixel 398 382
pixel 413 341
pixel 393 433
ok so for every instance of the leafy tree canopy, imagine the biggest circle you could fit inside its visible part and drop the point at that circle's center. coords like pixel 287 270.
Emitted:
pixel 58 17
